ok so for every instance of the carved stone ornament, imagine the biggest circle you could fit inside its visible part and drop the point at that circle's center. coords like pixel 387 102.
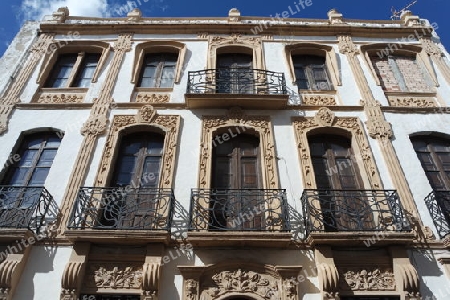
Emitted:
pixel 124 42
pixel 411 102
pixel 234 38
pixel 318 100
pixel 70 280
pixel 190 289
pixel 367 280
pixel 302 125
pixel 346 45
pixel 60 98
pixel 324 117
pixel 431 48
pixel 95 125
pixel 242 281
pixel 152 98
pixel 114 277
pixel 146 114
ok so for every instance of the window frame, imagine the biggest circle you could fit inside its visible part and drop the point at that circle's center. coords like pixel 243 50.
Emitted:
pixel 398 49
pixel 325 51
pixel 162 59
pixel 153 47
pixel 308 69
pixel 59 48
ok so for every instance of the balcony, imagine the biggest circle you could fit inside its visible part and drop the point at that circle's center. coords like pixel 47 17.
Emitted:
pixel 117 214
pixel 23 209
pixel 438 203
pixel 355 216
pixel 239 217
pixel 228 87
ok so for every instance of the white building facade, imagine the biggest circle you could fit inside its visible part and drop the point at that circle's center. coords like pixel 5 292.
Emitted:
pixel 225 158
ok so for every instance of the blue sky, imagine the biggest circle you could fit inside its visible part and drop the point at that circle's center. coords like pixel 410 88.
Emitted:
pixel 14 12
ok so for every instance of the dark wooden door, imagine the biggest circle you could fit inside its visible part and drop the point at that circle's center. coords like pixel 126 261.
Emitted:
pixel 234 73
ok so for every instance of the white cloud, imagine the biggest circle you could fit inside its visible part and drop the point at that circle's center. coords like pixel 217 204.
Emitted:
pixel 36 9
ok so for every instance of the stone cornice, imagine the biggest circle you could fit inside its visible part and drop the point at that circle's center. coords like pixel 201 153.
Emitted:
pixel 304 27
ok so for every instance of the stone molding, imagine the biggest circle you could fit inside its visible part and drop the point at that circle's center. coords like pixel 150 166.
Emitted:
pixel 238 279
pixel 11 96
pixel 169 124
pixel 437 56
pixel 325 119
pixel 107 276
pixel 237 118
pixel 215 43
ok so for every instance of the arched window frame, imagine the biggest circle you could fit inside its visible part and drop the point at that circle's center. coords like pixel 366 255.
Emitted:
pixel 55 50
pixel 158 47
pixel 325 51
pixel 398 49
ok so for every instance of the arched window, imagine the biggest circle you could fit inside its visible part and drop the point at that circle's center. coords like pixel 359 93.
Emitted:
pixel 234 73
pixel 338 181
pixel 434 155
pixel 134 199
pixel 236 176
pixel 139 161
pixel 311 72
pixel 35 157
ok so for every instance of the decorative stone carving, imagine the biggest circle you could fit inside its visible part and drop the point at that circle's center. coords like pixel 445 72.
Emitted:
pixel 324 117
pixel 114 277
pixel 335 17
pixel 60 15
pixel 95 125
pixel 150 278
pixel 70 280
pixel 431 48
pixel 355 279
pixel 124 42
pixel 234 15
pixel 190 289
pixel 12 94
pixel 146 114
pixel 346 45
pixel 411 102
pixel 318 100
pixel 377 125
pixel 135 15
pixel 152 98
pixel 303 125
pixel 242 281
pixel 60 98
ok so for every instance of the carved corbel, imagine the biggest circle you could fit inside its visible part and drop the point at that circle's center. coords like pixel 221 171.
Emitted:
pixel 327 272
pixel 405 274
pixel 71 280
pixel 191 282
pixel 74 272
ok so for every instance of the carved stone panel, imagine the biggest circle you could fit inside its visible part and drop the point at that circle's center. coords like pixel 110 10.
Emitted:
pixel 318 100
pixel 411 101
pixel 60 98
pixel 375 279
pixel 241 281
pixel 142 97
pixel 113 276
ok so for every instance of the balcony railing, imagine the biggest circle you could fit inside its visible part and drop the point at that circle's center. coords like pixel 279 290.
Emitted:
pixel 239 210
pixel 236 81
pixel 123 209
pixel 353 210
pixel 24 207
pixel 438 203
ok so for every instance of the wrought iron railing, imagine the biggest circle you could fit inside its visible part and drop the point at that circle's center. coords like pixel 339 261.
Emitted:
pixel 24 207
pixel 239 210
pixel 353 210
pixel 438 203
pixel 236 81
pixel 122 209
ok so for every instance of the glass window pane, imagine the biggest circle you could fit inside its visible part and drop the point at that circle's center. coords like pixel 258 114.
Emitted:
pixel 61 71
pixel 27 158
pixel 46 158
pixel 53 142
pixel 150 174
pixel 20 176
pixel 39 176
pixel 155 147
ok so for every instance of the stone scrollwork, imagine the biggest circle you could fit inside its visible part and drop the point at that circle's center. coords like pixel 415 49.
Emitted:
pixel 326 118
pixel 152 98
pixel 318 100
pixel 60 98
pixel 346 45
pixel 242 281
pixel 118 277
pixel 367 280
pixel 411 102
